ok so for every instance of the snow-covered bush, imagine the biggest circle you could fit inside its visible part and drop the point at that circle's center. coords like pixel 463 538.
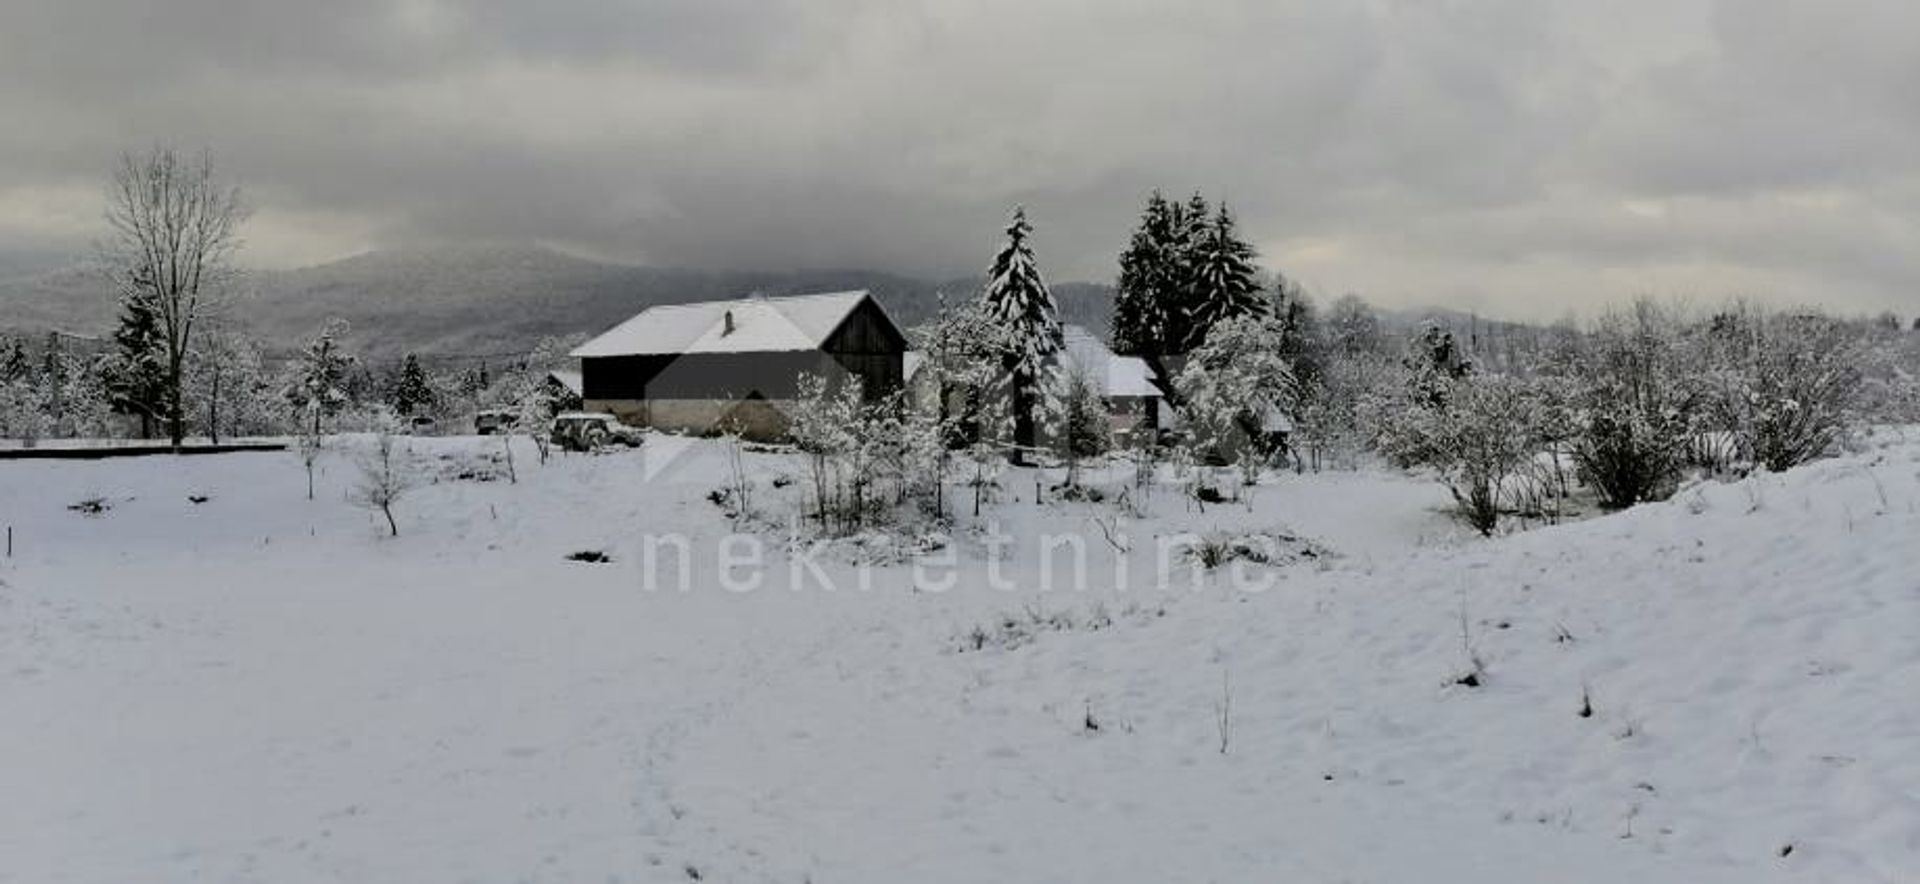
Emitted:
pixel 825 427
pixel 1788 383
pixel 1637 407
pixel 865 459
pixel 962 386
pixel 1079 420
pixel 1235 384
pixel 1489 432
pixel 1476 431
pixel 1405 412
pixel 228 391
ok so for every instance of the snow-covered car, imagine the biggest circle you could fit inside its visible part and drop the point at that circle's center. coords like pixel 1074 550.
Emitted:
pixel 421 425
pixel 586 431
pixel 494 420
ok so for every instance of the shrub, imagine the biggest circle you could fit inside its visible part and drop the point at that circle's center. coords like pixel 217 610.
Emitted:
pixel 1637 407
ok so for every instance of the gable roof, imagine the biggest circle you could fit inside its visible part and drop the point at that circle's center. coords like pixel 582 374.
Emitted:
pixel 567 378
pixel 1110 374
pixel 745 325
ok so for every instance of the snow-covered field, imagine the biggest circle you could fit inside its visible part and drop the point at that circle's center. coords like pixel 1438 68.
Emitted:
pixel 261 688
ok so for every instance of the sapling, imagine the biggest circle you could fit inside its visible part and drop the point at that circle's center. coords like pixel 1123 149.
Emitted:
pixel 386 473
pixel 1223 711
pixel 1476 673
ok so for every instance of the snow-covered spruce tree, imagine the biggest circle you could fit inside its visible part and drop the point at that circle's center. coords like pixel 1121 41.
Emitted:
pixel 135 372
pixel 1151 306
pixel 15 364
pixel 321 376
pixel 410 390
pixel 1017 297
pixel 1235 386
pixel 1225 282
pixel 387 470
pixel 1637 407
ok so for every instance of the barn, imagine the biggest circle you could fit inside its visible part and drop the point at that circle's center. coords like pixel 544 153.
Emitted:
pixel 735 365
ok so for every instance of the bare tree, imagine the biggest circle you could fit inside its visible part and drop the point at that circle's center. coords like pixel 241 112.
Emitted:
pixel 175 229
pixel 386 472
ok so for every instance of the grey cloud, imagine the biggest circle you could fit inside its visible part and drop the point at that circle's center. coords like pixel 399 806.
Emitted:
pixel 1413 150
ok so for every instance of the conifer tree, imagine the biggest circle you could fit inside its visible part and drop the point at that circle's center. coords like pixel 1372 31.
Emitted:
pixel 17 366
pixel 1016 296
pixel 1150 281
pixel 55 374
pixel 1190 231
pixel 137 373
pixel 319 386
pixel 411 387
pixel 1225 282
pixel 1302 341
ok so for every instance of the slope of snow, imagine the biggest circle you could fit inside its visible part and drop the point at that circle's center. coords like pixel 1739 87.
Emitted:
pixel 259 687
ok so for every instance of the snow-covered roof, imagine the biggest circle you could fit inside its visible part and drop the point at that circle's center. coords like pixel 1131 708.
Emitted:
pixel 566 378
pixel 1274 420
pixel 1111 375
pixel 748 325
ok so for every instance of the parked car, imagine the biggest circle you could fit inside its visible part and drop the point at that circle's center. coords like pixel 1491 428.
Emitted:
pixel 489 421
pixel 587 431
pixel 422 425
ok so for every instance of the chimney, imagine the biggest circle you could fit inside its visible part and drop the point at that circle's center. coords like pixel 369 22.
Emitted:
pixel 727 324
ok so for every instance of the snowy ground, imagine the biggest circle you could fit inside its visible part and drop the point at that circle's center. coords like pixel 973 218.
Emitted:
pixel 262 688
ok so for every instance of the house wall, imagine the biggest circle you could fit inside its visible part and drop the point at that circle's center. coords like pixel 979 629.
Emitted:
pixel 759 419
pixel 868 346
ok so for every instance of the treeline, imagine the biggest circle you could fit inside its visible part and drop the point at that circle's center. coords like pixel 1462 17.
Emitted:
pixel 64 388
pixel 1515 419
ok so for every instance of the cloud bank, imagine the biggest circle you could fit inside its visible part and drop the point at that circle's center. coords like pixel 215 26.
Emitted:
pixel 1526 157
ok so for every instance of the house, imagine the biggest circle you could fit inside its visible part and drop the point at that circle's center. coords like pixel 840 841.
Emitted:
pixel 735 365
pixel 1125 383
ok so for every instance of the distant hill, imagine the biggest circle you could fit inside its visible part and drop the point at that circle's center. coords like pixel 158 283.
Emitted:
pixel 470 302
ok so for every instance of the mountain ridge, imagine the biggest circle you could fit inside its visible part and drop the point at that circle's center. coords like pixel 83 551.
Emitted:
pixel 466 300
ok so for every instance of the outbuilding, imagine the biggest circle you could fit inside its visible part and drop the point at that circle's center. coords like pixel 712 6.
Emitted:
pixel 735 366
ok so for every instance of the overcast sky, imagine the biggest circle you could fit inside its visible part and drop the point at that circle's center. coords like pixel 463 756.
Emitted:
pixel 1524 157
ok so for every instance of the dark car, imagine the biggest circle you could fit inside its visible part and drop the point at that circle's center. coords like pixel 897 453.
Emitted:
pixel 494 420
pixel 587 431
